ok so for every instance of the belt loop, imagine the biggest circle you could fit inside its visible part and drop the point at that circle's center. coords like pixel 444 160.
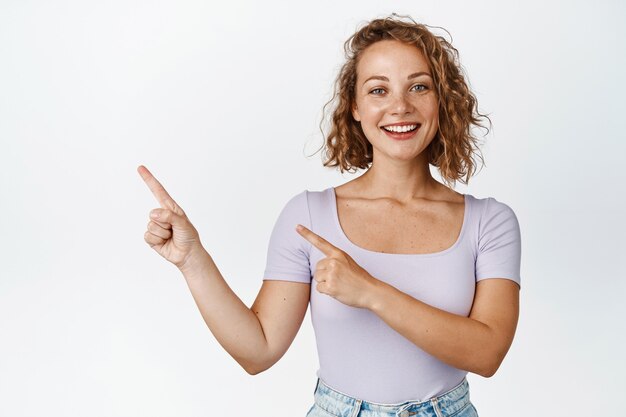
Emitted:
pixel 435 404
pixel 403 411
pixel 357 408
pixel 316 384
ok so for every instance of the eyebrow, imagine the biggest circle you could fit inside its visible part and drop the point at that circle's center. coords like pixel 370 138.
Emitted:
pixel 383 78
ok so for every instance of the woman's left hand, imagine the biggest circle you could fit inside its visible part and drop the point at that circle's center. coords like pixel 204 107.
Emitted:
pixel 338 275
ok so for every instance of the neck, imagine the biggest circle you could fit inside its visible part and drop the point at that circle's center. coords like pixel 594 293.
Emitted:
pixel 400 180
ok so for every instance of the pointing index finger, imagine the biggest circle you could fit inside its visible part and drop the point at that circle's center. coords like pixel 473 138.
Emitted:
pixel 157 189
pixel 319 242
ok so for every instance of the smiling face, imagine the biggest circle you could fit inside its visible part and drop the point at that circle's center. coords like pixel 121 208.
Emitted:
pixel 395 100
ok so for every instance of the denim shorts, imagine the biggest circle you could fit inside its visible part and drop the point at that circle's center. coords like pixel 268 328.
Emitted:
pixel 332 403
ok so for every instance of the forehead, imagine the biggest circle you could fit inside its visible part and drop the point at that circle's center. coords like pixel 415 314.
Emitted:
pixel 389 57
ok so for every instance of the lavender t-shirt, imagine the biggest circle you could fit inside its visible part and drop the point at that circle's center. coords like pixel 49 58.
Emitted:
pixel 359 354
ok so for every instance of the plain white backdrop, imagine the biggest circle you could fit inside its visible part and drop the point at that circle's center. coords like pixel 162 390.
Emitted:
pixel 222 102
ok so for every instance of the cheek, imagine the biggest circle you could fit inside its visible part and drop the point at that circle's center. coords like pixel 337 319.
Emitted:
pixel 371 112
pixel 430 110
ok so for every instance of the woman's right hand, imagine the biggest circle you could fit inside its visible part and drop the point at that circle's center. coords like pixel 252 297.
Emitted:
pixel 170 233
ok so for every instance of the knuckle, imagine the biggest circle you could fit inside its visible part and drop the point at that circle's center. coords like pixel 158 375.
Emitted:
pixel 152 238
pixel 167 217
pixel 175 207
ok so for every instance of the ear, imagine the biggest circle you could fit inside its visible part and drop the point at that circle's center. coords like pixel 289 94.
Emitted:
pixel 355 113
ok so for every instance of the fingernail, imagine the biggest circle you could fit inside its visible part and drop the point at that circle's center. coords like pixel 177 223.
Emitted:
pixel 299 228
pixel 154 214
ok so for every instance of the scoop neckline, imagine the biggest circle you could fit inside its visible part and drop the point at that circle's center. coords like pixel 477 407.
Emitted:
pixel 344 237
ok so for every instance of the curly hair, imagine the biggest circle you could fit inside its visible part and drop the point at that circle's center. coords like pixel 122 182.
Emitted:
pixel 453 148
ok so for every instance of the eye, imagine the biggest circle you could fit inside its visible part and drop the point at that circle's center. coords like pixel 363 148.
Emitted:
pixel 377 91
pixel 419 87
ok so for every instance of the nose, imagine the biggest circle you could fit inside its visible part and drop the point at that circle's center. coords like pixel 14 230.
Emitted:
pixel 400 105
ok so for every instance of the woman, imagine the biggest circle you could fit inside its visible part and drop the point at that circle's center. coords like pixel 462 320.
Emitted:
pixel 415 284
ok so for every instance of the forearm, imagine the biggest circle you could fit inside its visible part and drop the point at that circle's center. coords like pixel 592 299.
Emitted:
pixel 461 342
pixel 234 325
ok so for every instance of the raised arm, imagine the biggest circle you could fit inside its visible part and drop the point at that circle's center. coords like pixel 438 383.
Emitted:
pixel 255 337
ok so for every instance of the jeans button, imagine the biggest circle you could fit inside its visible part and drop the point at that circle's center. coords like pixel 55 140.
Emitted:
pixel 403 413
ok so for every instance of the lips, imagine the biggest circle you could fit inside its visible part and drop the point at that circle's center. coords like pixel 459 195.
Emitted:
pixel 401 128
pixel 401 131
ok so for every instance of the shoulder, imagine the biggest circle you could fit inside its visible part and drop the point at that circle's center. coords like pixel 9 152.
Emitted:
pixel 490 209
pixel 499 241
pixel 300 205
pixel 497 224
pixel 303 198
pixel 297 199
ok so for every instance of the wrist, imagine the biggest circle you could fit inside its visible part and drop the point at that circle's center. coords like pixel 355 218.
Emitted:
pixel 195 263
pixel 375 294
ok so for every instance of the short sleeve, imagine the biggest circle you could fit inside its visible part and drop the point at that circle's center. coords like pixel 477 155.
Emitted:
pixel 288 252
pixel 499 243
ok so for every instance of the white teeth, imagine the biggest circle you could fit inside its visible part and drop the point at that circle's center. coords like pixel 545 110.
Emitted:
pixel 400 129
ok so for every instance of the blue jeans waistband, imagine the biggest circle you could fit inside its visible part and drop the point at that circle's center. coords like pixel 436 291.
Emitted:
pixel 338 403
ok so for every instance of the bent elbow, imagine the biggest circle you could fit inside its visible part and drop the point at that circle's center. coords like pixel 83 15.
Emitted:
pixel 253 371
pixel 488 372
pixel 255 368
pixel 489 368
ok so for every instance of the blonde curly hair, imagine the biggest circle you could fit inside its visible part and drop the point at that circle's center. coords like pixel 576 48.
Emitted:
pixel 453 148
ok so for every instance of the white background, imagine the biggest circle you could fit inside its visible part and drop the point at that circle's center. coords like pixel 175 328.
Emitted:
pixel 222 102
